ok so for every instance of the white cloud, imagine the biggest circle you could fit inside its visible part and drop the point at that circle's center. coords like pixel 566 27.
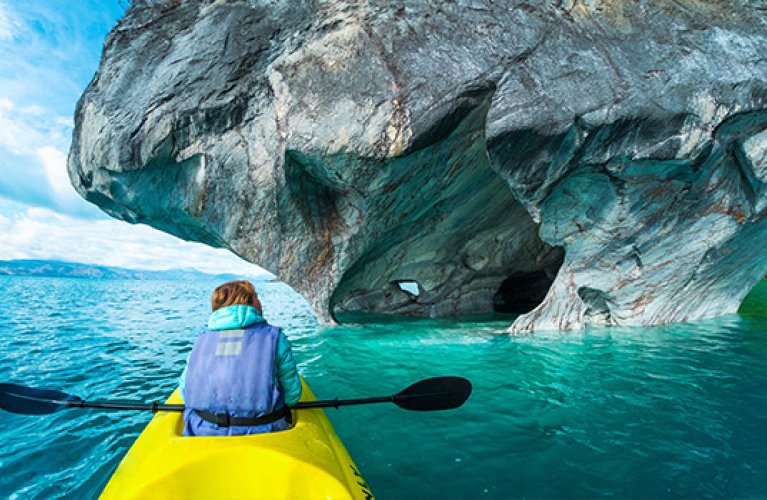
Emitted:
pixel 32 159
pixel 39 233
pixel 55 163
pixel 35 110
pixel 6 23
pixel 47 56
pixel 24 130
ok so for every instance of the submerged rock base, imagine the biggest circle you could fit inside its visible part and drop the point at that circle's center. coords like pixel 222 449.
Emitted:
pixel 580 163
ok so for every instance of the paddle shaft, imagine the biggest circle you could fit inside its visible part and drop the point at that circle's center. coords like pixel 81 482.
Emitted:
pixel 155 407
pixel 335 403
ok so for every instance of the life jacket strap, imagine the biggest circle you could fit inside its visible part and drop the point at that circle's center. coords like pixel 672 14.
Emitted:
pixel 225 420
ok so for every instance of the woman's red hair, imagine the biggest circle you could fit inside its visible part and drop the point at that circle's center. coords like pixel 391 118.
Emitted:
pixel 234 293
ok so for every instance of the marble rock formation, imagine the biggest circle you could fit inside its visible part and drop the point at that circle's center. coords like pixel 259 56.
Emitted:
pixel 580 162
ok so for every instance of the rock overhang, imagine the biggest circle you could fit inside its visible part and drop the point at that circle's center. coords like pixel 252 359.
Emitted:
pixel 348 147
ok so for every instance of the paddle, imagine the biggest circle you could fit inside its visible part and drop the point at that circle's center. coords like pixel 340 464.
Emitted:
pixel 439 393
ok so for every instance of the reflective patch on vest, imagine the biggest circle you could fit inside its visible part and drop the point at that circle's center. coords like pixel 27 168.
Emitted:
pixel 229 348
pixel 231 334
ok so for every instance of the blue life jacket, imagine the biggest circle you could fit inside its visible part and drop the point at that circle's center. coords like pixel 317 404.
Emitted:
pixel 233 372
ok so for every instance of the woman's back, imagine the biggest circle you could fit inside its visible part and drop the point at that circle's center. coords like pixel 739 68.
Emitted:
pixel 238 372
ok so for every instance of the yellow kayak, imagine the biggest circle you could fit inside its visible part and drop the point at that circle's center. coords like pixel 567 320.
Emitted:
pixel 306 462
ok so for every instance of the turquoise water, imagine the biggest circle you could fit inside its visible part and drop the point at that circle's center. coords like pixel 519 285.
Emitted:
pixel 671 412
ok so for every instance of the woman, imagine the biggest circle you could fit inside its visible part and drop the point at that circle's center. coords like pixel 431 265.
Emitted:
pixel 241 377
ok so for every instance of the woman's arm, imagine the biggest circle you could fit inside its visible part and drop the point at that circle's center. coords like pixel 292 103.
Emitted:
pixel 287 374
pixel 182 378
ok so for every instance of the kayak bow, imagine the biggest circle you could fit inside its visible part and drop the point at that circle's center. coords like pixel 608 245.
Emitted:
pixel 307 461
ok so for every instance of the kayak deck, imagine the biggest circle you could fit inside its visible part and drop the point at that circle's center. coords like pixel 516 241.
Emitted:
pixel 307 461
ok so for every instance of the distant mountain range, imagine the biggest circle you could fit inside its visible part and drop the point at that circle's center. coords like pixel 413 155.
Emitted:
pixel 59 269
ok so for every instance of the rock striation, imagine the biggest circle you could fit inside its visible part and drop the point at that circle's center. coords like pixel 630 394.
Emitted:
pixel 579 162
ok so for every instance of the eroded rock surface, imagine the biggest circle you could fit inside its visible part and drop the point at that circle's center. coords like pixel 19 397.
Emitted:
pixel 606 159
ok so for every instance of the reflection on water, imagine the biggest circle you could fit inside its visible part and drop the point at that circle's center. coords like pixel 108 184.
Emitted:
pixel 673 411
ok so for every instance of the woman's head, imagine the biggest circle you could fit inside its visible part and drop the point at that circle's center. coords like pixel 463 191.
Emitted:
pixel 233 293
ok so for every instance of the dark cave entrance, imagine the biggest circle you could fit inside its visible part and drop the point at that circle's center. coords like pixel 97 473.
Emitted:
pixel 522 292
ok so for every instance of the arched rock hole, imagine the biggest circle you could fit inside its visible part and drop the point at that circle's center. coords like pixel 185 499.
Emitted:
pixel 444 223
pixel 409 286
pixel 521 292
pixel 510 292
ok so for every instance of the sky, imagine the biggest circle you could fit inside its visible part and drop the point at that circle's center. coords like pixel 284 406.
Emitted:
pixel 49 52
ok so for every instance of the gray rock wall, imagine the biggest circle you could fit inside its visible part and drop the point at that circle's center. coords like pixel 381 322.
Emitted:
pixel 606 159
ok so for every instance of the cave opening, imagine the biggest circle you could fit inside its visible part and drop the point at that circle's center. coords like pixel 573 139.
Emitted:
pixel 522 292
pixel 409 286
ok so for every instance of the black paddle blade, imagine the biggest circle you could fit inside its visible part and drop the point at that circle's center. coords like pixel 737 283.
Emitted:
pixel 439 393
pixel 30 401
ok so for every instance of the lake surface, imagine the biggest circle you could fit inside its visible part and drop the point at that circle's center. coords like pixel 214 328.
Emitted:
pixel 677 411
